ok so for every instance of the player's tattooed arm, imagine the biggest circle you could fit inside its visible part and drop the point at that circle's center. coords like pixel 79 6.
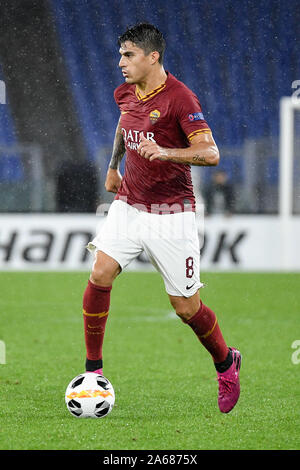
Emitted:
pixel 118 149
pixel 203 151
pixel 113 177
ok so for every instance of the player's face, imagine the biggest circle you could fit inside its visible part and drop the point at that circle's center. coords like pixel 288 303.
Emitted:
pixel 134 63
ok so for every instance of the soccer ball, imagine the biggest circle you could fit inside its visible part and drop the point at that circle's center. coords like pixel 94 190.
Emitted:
pixel 90 395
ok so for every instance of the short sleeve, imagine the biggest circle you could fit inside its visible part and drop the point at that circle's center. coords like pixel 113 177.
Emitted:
pixel 116 97
pixel 190 115
pixel 121 95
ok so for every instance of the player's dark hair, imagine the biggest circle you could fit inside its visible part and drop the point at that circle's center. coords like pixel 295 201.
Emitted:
pixel 147 37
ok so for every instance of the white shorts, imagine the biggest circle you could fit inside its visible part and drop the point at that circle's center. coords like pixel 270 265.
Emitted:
pixel 170 241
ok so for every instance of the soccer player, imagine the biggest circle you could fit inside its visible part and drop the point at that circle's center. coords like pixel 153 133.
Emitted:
pixel 163 132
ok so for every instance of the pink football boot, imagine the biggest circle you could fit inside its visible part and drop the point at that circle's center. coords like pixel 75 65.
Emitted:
pixel 229 383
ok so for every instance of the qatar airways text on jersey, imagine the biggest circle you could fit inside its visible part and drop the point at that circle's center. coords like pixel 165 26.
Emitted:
pixel 132 137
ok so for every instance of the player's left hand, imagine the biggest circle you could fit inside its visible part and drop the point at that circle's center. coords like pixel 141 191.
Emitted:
pixel 151 150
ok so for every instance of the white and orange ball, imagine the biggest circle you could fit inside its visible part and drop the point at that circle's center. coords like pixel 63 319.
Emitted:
pixel 90 395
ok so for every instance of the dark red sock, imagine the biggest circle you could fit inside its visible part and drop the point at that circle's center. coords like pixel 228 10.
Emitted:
pixel 205 325
pixel 96 301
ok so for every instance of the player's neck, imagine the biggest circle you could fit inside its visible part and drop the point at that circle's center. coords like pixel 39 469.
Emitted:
pixel 152 81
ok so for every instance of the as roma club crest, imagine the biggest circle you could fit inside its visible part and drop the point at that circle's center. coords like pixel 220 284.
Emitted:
pixel 154 116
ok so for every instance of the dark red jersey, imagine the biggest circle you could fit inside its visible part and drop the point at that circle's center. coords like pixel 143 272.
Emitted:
pixel 170 115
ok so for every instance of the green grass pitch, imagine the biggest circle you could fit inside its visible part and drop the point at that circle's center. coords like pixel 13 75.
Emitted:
pixel 165 382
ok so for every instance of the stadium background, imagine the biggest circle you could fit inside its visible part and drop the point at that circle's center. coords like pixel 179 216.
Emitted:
pixel 59 64
pixel 58 69
pixel 59 61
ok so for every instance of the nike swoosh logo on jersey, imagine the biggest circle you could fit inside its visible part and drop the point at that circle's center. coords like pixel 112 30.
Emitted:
pixel 189 287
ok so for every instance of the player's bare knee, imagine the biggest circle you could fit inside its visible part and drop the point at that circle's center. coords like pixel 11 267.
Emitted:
pixel 105 270
pixel 185 308
pixel 182 310
pixel 101 276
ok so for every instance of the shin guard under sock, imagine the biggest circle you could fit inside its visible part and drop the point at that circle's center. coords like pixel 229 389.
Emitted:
pixel 96 301
pixel 205 325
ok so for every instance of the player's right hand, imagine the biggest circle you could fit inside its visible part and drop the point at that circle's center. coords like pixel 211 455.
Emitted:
pixel 113 180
